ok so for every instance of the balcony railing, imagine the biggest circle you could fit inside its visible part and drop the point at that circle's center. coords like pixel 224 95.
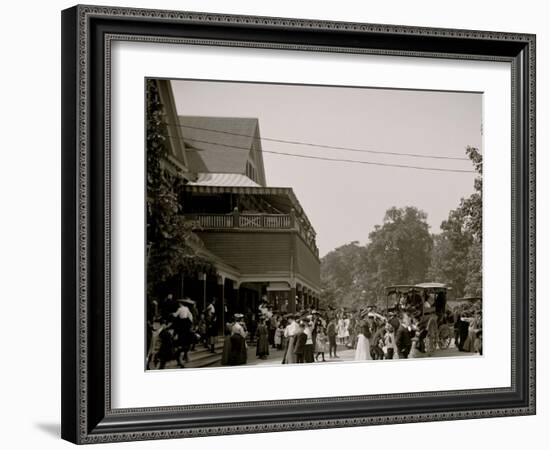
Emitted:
pixel 214 221
pixel 256 222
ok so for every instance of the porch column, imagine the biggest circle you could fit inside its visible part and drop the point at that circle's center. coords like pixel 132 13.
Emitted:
pixel 202 276
pixel 237 300
pixel 292 298
pixel 221 306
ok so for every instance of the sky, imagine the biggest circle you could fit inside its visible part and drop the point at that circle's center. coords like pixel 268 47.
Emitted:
pixel 344 201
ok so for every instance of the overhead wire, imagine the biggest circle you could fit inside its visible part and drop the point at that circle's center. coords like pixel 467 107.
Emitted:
pixel 322 158
pixel 311 144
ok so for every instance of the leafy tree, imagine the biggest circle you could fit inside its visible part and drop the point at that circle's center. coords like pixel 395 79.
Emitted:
pixel 450 254
pixel 399 251
pixel 456 257
pixel 472 207
pixel 343 275
pixel 474 280
pixel 171 243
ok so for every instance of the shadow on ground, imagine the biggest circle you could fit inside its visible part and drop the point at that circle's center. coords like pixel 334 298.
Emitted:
pixel 53 429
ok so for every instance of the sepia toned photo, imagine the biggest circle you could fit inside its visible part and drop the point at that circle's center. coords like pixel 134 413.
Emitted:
pixel 296 224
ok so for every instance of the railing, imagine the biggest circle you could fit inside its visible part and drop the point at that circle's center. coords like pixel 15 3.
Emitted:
pixel 272 221
pixel 215 220
pixel 256 222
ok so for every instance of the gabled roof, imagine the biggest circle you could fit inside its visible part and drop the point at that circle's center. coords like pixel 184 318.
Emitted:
pixel 218 144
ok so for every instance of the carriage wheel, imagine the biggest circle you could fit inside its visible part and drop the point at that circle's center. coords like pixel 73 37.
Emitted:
pixel 444 336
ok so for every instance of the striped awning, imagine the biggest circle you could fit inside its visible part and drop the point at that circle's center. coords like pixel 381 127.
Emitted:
pixel 223 179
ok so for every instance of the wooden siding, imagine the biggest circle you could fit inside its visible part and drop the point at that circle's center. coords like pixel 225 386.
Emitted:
pixel 251 252
pixel 307 264
pixel 258 252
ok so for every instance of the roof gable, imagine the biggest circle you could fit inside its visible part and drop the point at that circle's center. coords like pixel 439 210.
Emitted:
pixel 218 144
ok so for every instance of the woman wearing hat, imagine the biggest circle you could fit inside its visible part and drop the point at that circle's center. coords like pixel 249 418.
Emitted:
pixel 473 327
pixel 362 352
pixel 432 332
pixel 262 335
pixel 291 330
pixel 226 343
pixel 238 351
pixel 309 347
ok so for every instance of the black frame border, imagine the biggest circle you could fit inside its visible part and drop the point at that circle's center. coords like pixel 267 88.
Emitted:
pixel 87 31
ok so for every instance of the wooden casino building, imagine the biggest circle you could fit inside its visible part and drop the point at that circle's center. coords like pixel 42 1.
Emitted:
pixel 258 237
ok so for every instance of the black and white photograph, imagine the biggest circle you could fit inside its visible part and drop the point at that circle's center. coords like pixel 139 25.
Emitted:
pixel 275 225
pixel 311 224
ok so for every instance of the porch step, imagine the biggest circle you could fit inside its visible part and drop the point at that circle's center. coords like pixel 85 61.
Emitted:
pixel 208 360
pixel 201 357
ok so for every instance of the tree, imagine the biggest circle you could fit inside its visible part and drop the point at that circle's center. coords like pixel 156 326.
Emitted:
pixel 456 256
pixel 450 253
pixel 474 279
pixel 472 208
pixel 398 251
pixel 171 242
pixel 342 275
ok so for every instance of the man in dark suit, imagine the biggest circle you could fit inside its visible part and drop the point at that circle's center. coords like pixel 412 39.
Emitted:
pixel 394 320
pixel 403 340
pixel 299 346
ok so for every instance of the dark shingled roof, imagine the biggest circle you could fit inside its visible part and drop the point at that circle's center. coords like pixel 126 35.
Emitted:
pixel 215 152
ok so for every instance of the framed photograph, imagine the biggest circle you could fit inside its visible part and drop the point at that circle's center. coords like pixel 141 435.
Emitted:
pixel 281 224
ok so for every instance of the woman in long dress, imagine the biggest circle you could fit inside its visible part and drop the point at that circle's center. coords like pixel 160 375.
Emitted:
pixel 362 352
pixel 262 344
pixel 473 328
pixel 310 343
pixel 238 351
pixel 289 357
pixel 226 343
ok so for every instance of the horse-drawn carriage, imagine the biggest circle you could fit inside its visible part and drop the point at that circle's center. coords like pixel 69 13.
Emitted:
pixel 420 301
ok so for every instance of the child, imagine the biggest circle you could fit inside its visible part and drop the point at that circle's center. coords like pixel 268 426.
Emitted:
pixel 200 333
pixel 159 350
pixel 321 344
pixel 377 351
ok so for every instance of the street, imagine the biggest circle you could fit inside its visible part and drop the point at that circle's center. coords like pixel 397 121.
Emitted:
pixel 344 354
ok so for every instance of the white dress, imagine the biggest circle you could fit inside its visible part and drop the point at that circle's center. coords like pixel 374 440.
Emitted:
pixel 343 331
pixel 362 352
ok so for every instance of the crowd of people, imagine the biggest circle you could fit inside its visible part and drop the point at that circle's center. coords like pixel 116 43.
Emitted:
pixel 176 328
pixel 310 335
pixel 317 336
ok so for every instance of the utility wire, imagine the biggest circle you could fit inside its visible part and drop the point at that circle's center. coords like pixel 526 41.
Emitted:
pixel 310 144
pixel 353 161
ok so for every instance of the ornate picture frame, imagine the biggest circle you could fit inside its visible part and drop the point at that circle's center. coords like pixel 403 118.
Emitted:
pixel 87 35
